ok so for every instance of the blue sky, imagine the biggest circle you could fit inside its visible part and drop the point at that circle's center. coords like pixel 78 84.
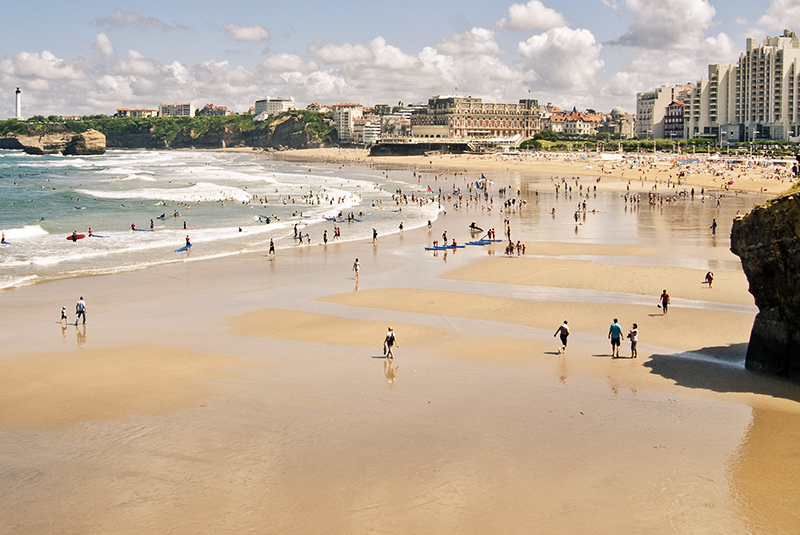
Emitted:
pixel 87 56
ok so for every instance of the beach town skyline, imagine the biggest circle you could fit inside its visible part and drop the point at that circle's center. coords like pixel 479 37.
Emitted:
pixel 590 55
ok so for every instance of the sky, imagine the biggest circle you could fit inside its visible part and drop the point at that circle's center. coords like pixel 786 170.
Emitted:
pixel 92 56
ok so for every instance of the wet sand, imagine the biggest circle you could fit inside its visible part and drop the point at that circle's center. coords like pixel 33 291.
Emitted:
pixel 251 394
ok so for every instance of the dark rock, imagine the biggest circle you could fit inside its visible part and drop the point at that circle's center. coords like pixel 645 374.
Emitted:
pixel 768 242
pixel 88 143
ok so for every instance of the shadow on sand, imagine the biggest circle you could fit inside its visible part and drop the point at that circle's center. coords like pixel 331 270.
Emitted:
pixel 721 369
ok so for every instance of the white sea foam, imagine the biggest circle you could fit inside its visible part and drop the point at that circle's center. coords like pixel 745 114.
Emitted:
pixel 202 191
pixel 28 231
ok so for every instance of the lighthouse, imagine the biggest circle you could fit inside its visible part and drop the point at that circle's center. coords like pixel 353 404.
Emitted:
pixel 18 105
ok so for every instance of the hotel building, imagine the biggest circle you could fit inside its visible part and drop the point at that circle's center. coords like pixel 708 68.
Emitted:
pixel 454 117
pixel 171 109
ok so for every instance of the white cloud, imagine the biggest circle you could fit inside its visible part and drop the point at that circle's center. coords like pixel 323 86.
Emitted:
pixel 780 14
pixel 477 41
pixel 137 64
pixel 31 66
pixel 564 59
pixel 341 53
pixel 247 33
pixel 102 45
pixel 531 16
pixel 667 24
pixel 287 63
pixel 122 19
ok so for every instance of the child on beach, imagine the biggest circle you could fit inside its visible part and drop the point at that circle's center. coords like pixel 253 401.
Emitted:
pixel 633 336
pixel 64 315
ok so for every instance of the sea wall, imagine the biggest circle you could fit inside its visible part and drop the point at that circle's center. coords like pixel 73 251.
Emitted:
pixel 768 242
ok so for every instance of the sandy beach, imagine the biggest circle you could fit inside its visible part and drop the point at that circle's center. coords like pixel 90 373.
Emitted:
pixel 251 394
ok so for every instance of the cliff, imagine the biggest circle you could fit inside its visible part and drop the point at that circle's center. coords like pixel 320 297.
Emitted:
pixel 295 129
pixel 89 142
pixel 768 242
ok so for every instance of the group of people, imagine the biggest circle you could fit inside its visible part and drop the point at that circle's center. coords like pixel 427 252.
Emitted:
pixel 80 312
pixel 614 335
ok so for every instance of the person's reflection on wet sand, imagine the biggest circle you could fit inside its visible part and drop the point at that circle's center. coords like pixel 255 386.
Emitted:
pixel 390 370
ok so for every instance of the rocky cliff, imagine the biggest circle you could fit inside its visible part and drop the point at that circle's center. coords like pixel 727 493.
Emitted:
pixel 87 143
pixel 768 242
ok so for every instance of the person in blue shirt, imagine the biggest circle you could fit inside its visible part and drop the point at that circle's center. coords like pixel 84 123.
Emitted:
pixel 615 335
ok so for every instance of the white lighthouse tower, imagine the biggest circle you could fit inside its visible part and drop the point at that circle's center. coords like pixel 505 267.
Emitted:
pixel 18 105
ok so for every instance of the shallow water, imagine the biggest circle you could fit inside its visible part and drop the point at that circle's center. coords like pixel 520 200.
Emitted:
pixel 223 200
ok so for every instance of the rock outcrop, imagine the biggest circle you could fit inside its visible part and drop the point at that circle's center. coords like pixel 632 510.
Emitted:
pixel 768 242
pixel 85 144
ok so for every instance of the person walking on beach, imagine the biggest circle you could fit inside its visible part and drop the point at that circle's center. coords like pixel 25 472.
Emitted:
pixel 563 331
pixel 713 226
pixel 356 267
pixel 633 336
pixel 374 235
pixel 389 342
pixel 80 310
pixel 664 302
pixel 709 278
pixel 614 334
pixel 271 246
pixel 64 315
pixel 325 237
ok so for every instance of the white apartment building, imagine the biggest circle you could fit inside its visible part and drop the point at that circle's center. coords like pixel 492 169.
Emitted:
pixel 274 106
pixel 651 107
pixel 136 112
pixel 758 98
pixel 173 109
pixel 344 116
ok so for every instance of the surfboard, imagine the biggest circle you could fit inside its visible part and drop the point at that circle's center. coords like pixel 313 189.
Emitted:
pixel 478 242
pixel 444 247
pixel 4 242
pixel 76 237
pixel 301 236
pixel 96 236
pixel 184 248
pixel 475 228
pixel 140 230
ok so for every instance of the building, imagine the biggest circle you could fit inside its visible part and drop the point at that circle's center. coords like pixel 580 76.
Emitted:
pixel 209 110
pixel 344 116
pixel 651 108
pixel 454 117
pixel 673 120
pixel 756 99
pixel 318 108
pixel 136 112
pixel 274 106
pixel 171 109
pixel 618 123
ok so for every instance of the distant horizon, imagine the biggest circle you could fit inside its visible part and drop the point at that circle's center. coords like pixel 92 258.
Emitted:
pixel 595 54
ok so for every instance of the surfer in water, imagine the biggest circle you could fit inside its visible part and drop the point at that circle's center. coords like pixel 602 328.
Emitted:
pixel 188 242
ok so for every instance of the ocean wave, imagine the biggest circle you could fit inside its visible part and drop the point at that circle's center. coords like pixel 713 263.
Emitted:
pixel 28 231
pixel 202 191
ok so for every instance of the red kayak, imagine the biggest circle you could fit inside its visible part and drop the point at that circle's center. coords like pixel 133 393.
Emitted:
pixel 76 237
